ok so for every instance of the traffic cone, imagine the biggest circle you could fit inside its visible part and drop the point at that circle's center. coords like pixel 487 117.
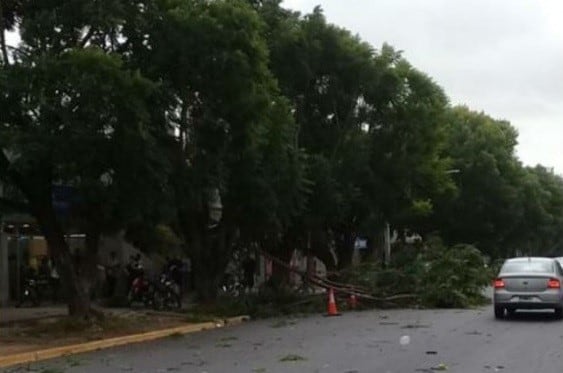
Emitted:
pixel 331 308
pixel 352 301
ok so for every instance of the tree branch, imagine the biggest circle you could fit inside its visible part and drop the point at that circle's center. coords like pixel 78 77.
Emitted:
pixel 87 37
pixel 8 173
pixel 19 206
pixel 3 37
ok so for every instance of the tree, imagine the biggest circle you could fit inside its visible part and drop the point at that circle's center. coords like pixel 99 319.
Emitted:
pixel 539 230
pixel 74 117
pixel 406 118
pixel 369 121
pixel 488 203
pixel 231 140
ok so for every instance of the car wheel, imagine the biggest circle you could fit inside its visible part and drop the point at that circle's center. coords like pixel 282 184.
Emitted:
pixel 510 312
pixel 499 312
pixel 559 312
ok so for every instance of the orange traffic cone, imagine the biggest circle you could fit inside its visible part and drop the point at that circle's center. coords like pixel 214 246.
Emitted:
pixel 352 301
pixel 331 309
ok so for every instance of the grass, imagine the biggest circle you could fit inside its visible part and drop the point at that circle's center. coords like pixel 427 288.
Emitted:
pixel 68 326
pixel 52 331
pixel 194 317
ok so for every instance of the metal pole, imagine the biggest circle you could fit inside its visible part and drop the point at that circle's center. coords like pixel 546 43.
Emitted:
pixel 4 271
pixel 387 248
pixel 18 262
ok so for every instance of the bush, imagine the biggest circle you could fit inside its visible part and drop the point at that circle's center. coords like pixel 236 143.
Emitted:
pixel 453 277
pixel 380 282
pixel 271 301
pixel 437 275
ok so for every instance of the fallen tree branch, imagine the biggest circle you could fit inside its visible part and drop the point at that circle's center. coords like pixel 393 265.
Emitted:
pixel 339 288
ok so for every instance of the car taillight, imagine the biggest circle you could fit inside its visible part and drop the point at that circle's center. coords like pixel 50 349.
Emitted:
pixel 553 283
pixel 499 283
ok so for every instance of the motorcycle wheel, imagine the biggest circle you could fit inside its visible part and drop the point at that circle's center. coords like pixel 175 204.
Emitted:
pixel 35 298
pixel 173 301
pixel 158 301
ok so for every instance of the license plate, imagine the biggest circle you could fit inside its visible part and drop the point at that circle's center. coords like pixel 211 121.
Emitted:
pixel 521 299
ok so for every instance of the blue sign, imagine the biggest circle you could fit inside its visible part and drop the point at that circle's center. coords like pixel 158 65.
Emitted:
pixel 62 198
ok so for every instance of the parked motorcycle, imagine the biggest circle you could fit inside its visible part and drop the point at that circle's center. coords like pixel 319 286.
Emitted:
pixel 32 290
pixel 231 286
pixel 167 295
pixel 141 291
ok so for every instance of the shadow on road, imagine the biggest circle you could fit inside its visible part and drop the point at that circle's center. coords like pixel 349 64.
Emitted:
pixel 532 316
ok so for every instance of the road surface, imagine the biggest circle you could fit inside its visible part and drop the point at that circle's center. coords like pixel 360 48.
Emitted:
pixel 393 341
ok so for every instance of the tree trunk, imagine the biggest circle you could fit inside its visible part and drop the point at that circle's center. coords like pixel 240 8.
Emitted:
pixel 89 274
pixel 345 248
pixel 320 246
pixel 206 284
pixel 290 242
pixel 78 301
pixel 211 251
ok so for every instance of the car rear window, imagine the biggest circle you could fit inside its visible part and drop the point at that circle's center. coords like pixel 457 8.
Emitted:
pixel 531 266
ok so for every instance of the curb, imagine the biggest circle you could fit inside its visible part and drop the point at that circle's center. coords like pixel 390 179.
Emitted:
pixel 56 352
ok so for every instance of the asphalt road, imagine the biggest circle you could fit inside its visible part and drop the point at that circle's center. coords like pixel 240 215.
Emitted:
pixel 468 341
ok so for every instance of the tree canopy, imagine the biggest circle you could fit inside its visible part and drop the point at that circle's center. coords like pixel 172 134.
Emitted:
pixel 237 123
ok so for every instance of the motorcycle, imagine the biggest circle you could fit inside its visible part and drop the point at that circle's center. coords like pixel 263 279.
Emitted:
pixel 167 295
pixel 231 286
pixel 141 291
pixel 31 291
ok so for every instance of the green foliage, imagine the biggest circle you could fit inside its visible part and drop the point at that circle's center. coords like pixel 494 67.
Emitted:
pixel 269 302
pixel 310 135
pixel 453 277
pixel 500 206
pixel 160 239
pixel 380 282
pixel 437 275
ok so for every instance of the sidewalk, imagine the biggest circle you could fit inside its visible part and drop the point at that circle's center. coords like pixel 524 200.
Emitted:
pixel 10 315
pixel 23 347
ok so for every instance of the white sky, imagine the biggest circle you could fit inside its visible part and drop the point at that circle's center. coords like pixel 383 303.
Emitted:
pixel 504 57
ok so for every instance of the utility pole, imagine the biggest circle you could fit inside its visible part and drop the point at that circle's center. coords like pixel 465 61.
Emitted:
pixel 387 244
pixel 18 262
pixel 4 275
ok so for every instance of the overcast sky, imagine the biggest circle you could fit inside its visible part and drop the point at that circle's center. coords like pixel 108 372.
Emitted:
pixel 504 57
